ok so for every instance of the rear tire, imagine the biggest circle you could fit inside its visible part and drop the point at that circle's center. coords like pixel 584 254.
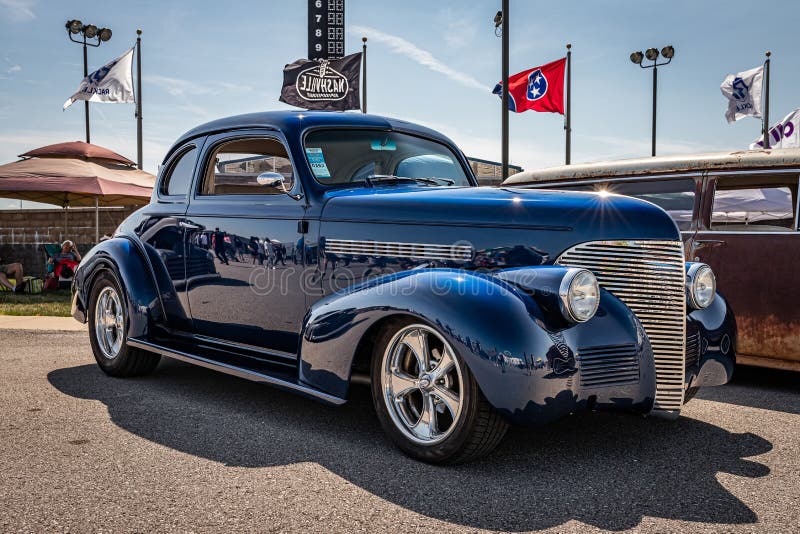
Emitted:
pixel 438 415
pixel 108 331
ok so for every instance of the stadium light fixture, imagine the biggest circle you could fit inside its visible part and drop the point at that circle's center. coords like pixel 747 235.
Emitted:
pixel 668 52
pixel 90 36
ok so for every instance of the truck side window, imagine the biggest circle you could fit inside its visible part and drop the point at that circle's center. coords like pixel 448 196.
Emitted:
pixel 757 203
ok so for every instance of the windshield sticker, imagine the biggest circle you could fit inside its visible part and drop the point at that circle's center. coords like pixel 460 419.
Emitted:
pixel 317 161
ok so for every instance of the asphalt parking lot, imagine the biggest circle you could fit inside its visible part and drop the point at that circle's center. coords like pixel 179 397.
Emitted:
pixel 190 450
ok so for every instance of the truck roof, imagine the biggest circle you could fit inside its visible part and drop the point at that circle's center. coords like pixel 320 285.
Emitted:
pixel 682 163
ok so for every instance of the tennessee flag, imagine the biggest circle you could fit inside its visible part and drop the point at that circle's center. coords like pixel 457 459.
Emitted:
pixel 539 88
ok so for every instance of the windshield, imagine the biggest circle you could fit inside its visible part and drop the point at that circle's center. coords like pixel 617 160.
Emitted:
pixel 374 156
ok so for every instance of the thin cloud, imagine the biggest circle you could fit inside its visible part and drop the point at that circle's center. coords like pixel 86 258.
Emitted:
pixel 181 87
pixel 13 69
pixel 177 86
pixel 398 45
pixel 17 10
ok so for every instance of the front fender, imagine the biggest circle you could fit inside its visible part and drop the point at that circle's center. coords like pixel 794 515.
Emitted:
pixel 526 370
pixel 711 339
pixel 125 259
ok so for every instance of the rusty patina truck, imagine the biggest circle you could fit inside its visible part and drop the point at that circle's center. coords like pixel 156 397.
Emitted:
pixel 737 212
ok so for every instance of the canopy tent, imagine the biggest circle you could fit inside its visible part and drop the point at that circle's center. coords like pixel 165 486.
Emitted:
pixel 78 150
pixel 76 174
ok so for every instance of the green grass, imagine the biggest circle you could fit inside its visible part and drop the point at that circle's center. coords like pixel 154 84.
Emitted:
pixel 50 303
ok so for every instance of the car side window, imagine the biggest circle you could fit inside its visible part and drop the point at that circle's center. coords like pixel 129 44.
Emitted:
pixel 179 174
pixel 234 168
pixel 758 203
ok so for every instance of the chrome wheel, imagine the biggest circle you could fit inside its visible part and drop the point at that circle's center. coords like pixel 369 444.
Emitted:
pixel 422 384
pixel 109 322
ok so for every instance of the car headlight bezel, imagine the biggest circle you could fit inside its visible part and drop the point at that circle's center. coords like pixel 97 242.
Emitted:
pixel 701 286
pixel 575 286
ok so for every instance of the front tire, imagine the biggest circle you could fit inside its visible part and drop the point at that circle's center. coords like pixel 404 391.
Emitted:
pixel 108 331
pixel 426 398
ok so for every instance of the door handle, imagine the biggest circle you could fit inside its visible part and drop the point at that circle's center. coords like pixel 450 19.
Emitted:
pixel 188 225
pixel 708 243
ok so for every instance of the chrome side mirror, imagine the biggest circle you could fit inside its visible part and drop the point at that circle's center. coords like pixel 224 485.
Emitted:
pixel 276 180
pixel 272 179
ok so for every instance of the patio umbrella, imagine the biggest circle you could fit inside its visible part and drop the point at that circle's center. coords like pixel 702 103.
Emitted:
pixel 76 174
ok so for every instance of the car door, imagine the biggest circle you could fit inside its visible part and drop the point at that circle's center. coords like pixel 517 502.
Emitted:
pixel 749 237
pixel 244 265
pixel 162 233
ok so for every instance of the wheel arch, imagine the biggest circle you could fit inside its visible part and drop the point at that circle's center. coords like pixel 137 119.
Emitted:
pixel 125 261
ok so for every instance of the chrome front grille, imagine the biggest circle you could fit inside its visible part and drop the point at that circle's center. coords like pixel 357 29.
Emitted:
pixel 649 277
pixel 610 365
pixel 692 350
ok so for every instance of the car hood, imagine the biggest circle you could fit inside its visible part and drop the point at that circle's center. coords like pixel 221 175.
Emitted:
pixel 590 216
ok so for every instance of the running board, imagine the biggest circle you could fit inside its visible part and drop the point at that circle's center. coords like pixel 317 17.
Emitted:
pixel 237 371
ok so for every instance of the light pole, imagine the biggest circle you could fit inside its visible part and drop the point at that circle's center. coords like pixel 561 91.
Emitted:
pixel 91 36
pixel 652 54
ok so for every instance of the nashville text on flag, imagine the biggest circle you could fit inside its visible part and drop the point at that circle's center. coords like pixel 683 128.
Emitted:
pixel 540 88
pixel 113 82
pixel 324 84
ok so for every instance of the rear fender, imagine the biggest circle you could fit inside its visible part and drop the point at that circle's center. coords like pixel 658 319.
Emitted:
pixel 134 272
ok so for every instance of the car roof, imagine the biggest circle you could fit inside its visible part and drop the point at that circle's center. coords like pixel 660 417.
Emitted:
pixel 296 121
pixel 684 163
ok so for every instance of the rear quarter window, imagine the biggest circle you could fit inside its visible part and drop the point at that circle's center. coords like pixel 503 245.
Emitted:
pixel 178 176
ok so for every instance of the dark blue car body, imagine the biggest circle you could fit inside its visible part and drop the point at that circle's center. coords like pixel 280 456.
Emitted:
pixel 309 325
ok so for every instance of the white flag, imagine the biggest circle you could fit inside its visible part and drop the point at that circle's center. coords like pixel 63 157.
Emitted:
pixel 113 82
pixel 785 134
pixel 743 91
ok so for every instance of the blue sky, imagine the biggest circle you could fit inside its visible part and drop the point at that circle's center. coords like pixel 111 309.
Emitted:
pixel 429 62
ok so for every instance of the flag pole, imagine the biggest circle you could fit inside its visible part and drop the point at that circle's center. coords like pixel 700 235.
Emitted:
pixel 364 81
pixel 568 119
pixel 504 98
pixel 766 101
pixel 85 74
pixel 139 158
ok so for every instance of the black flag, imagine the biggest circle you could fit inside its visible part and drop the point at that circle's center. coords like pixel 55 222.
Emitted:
pixel 324 84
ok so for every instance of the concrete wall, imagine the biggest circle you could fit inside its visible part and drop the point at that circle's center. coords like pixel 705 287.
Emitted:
pixel 22 232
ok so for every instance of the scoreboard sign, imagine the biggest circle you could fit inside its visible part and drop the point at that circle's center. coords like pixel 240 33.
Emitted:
pixel 325 29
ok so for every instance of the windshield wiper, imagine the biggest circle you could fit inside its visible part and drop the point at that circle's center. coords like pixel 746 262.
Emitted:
pixel 374 178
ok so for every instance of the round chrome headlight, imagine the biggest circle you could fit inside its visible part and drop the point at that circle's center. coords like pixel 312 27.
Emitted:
pixel 580 295
pixel 701 286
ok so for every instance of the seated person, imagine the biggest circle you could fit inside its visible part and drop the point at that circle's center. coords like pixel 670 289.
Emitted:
pixel 12 270
pixel 65 262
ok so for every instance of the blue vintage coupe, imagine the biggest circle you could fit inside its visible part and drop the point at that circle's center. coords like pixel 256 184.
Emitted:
pixel 312 251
